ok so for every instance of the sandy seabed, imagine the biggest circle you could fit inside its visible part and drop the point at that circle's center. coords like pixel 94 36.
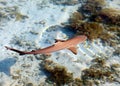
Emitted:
pixel 34 24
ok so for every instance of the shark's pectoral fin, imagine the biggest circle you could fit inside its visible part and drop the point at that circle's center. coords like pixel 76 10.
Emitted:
pixel 47 54
pixel 73 49
pixel 33 50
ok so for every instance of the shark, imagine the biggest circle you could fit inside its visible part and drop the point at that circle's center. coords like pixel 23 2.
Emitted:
pixel 70 44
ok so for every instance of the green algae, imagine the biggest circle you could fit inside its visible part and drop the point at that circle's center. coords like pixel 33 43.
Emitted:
pixel 92 30
pixel 59 74
pixel 96 74
pixel 115 66
pixel 108 16
pixel 11 12
pixel 99 72
pixel 64 2
pixel 20 16
pixel 117 52
pixel 99 61
pixel 76 19
pixel 91 7
pixel 102 24
pixel 77 82
pixel 29 84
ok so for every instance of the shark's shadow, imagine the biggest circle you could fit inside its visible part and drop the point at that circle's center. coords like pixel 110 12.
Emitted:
pixel 6 64
pixel 56 29
pixel 55 32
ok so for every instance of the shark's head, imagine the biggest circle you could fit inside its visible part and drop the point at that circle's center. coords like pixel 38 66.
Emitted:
pixel 80 38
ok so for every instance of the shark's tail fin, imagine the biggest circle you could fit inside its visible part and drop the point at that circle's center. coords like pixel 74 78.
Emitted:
pixel 15 50
pixel 21 53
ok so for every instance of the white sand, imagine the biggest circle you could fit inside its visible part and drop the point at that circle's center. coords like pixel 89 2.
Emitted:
pixel 39 30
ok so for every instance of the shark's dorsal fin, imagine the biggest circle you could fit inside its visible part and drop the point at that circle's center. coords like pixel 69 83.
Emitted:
pixel 59 40
pixel 73 49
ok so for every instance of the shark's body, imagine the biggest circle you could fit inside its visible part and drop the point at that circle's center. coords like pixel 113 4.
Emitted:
pixel 59 45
